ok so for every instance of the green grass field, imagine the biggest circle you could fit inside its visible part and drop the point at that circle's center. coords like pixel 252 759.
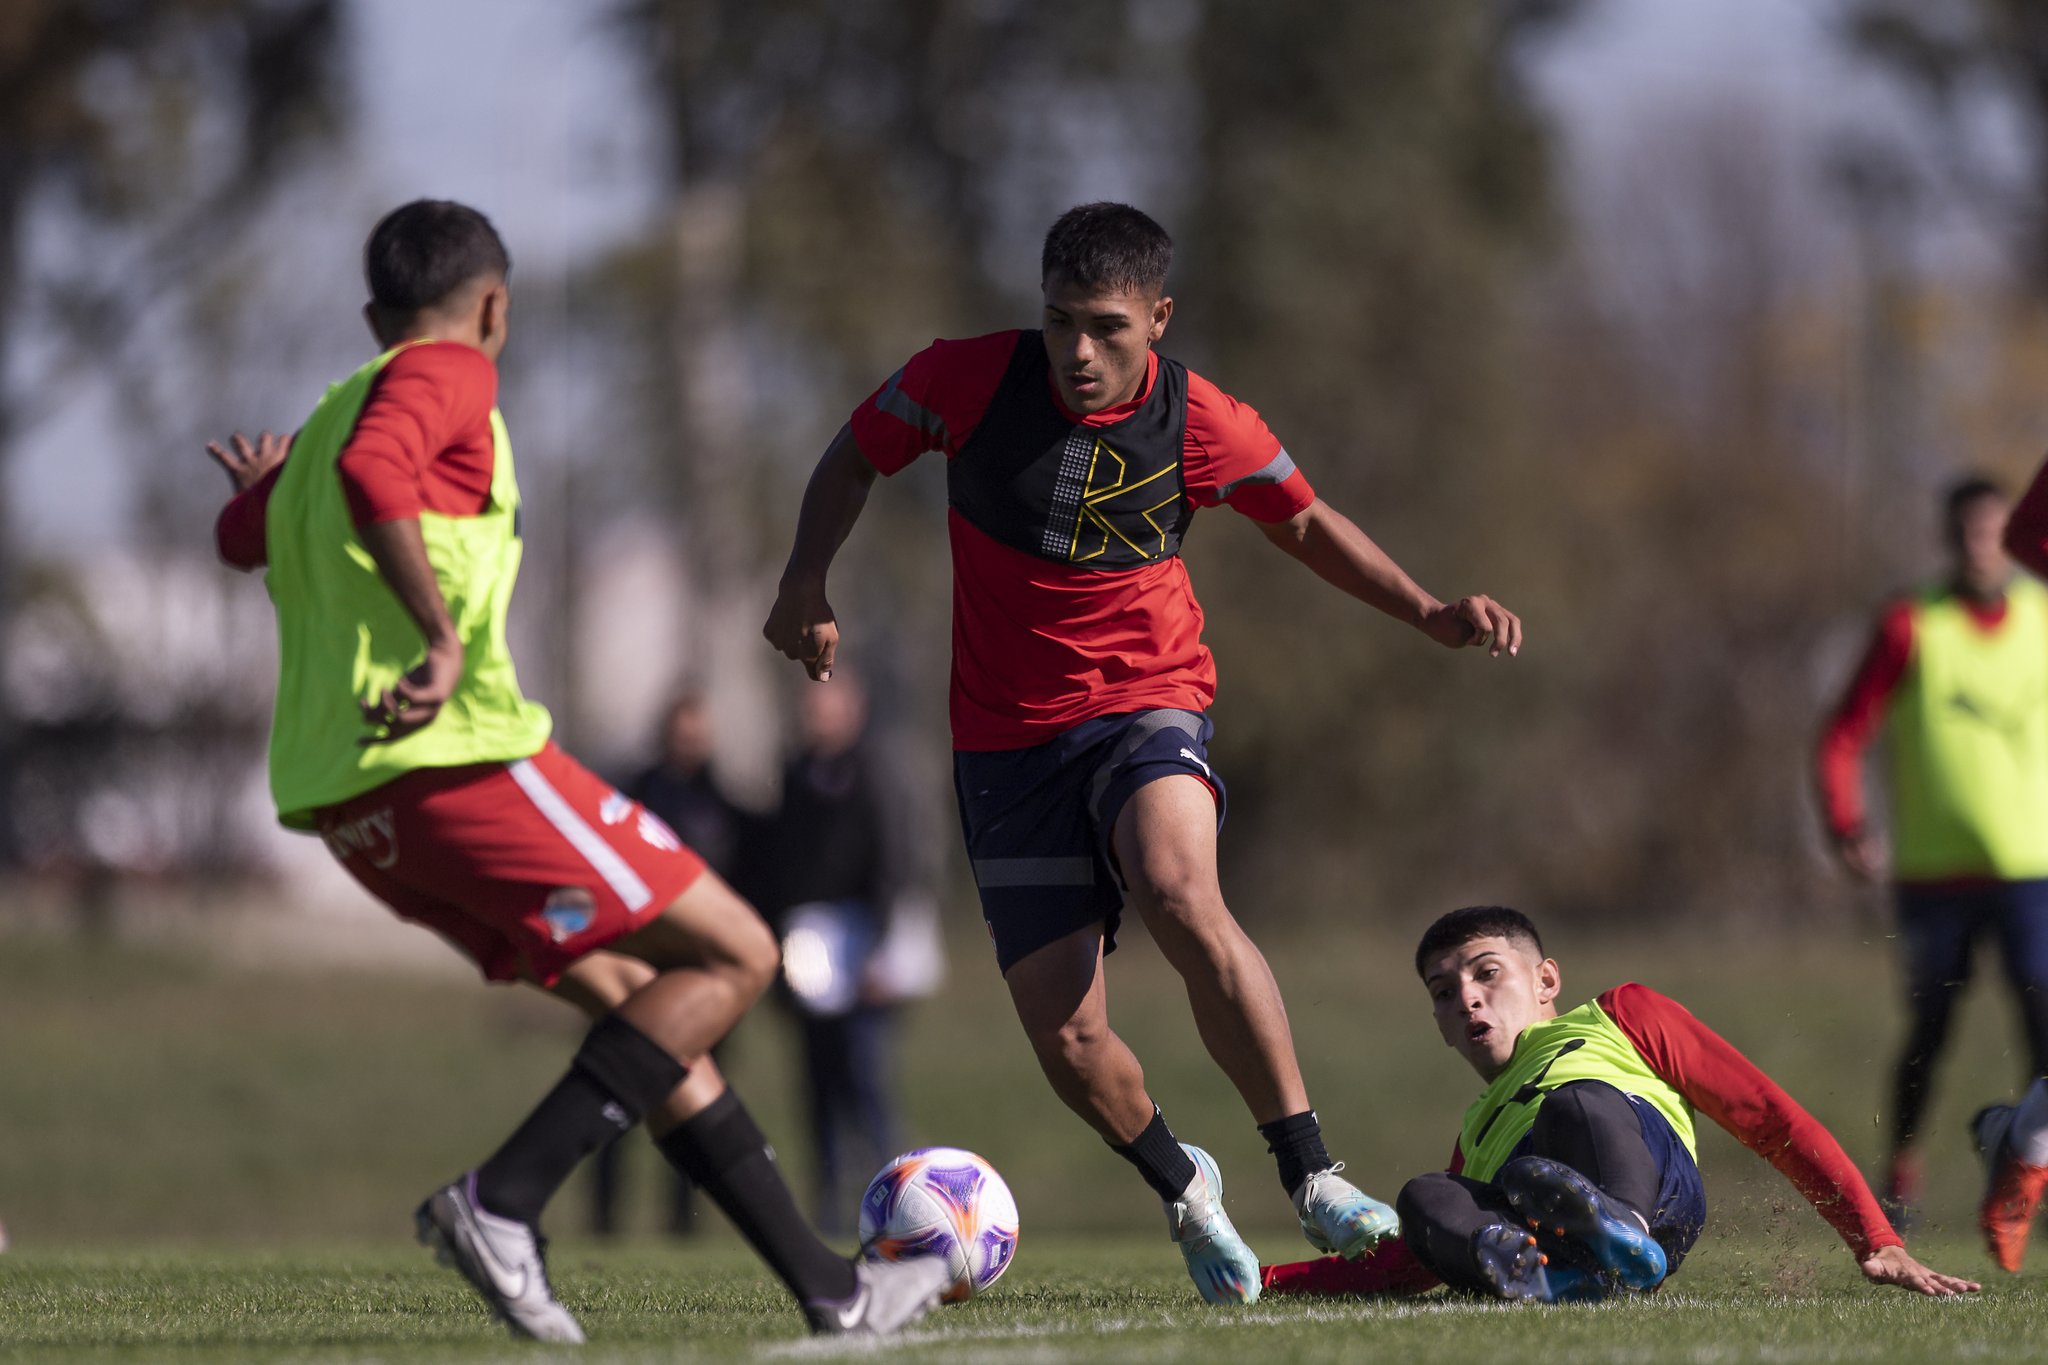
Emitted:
pixel 200 1162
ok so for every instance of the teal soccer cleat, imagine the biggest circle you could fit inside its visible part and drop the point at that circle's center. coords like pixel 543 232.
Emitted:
pixel 1571 1212
pixel 1222 1266
pixel 1337 1216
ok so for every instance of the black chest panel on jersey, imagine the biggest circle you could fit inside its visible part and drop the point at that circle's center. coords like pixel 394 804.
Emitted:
pixel 1106 497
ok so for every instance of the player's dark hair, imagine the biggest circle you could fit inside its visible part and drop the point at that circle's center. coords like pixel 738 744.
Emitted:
pixel 1107 246
pixel 1957 499
pixel 1460 927
pixel 422 252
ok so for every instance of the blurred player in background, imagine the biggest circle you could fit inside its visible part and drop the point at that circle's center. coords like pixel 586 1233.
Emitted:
pixel 681 788
pixel 1575 1173
pixel 391 540
pixel 841 879
pixel 1075 459
pixel 1957 677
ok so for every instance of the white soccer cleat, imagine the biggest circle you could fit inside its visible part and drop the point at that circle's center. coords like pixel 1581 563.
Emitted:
pixel 888 1296
pixel 1337 1216
pixel 500 1256
pixel 1222 1266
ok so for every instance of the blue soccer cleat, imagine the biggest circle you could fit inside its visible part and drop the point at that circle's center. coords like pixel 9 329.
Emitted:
pixel 1337 1216
pixel 1563 1206
pixel 1222 1266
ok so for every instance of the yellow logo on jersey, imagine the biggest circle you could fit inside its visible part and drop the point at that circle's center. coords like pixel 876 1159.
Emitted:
pixel 1093 526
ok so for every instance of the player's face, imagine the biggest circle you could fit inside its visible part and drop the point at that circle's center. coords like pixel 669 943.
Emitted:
pixel 1981 561
pixel 1485 992
pixel 1098 341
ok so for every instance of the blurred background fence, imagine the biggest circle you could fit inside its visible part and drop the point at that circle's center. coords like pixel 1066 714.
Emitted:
pixel 1661 321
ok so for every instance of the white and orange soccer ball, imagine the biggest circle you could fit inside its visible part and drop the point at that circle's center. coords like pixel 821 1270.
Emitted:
pixel 942 1201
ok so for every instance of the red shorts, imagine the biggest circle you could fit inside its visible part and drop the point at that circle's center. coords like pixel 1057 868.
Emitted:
pixel 524 866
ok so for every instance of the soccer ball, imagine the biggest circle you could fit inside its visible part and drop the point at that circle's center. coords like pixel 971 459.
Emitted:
pixel 941 1201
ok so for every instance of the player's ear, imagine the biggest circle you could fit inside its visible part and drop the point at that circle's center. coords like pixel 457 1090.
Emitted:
pixel 1162 313
pixel 493 311
pixel 1549 980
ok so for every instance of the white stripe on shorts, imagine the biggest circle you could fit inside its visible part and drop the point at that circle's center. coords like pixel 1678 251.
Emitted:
pixel 618 874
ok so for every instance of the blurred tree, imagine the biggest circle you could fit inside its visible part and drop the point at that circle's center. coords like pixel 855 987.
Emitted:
pixel 1954 52
pixel 136 137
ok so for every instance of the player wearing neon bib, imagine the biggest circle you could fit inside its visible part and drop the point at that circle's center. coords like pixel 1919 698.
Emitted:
pixel 391 542
pixel 1957 676
pixel 1575 1173
pixel 1076 458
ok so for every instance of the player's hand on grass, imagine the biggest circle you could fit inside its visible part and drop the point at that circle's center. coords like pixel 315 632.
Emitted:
pixel 802 627
pixel 1893 1265
pixel 247 463
pixel 417 698
pixel 1478 622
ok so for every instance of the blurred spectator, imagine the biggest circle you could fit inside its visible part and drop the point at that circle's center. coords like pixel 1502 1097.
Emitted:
pixel 682 789
pixel 840 881
pixel 1957 675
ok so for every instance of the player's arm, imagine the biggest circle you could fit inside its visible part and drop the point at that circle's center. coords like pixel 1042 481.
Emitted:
pixel 429 401
pixel 1345 557
pixel 1854 723
pixel 400 552
pixel 801 624
pixel 2026 530
pixel 932 403
pixel 252 468
pixel 1733 1091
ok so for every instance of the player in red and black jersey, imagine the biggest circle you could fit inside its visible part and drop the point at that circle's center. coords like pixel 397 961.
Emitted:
pixel 1076 457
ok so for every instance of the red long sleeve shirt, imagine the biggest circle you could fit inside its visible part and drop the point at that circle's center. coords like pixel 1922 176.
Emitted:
pixel 1719 1082
pixel 422 443
pixel 1856 719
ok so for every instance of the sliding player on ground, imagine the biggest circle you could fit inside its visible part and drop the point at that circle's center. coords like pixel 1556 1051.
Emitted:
pixel 1575 1174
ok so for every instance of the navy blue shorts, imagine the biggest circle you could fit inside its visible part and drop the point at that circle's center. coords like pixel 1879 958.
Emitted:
pixel 1038 821
pixel 1940 925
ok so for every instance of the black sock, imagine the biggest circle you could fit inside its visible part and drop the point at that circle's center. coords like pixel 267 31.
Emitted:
pixel 1157 1154
pixel 618 1075
pixel 723 1151
pixel 1297 1142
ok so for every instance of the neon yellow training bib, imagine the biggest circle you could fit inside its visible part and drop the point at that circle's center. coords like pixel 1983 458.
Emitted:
pixel 344 637
pixel 1969 741
pixel 1584 1045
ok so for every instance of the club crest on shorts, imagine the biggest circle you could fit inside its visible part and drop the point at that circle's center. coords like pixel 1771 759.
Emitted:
pixel 615 809
pixel 655 831
pixel 569 912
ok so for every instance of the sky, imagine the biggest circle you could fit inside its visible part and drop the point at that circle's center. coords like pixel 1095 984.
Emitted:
pixel 560 166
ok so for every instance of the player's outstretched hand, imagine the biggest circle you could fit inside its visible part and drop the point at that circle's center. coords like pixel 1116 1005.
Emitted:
pixel 1894 1265
pixel 802 627
pixel 1478 622
pixel 245 463
pixel 417 698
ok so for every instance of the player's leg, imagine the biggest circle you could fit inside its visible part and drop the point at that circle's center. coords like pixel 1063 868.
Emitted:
pixel 1468 1235
pixel 1061 1000
pixel 1590 1184
pixel 1165 845
pixel 2013 1139
pixel 1936 930
pixel 705 1131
